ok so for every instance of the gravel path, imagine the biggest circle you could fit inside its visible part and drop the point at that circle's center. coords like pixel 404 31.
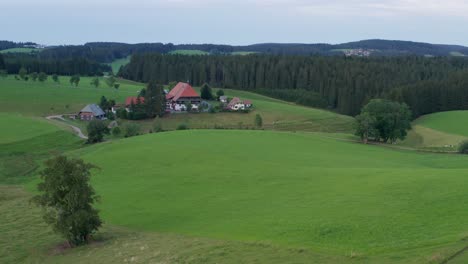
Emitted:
pixel 77 130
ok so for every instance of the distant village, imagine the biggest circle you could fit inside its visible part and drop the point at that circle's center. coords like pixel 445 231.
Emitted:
pixel 181 99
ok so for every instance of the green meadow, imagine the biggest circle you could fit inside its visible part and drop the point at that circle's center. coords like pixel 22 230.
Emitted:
pixel 279 195
pixel 453 122
pixel 119 63
pixel 40 99
pixel 189 52
pixel 20 50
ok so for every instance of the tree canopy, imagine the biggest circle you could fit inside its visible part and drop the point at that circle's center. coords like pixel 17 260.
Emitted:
pixel 96 131
pixel 383 120
pixel 67 199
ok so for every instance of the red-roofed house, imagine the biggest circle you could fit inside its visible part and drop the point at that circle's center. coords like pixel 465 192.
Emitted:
pixel 134 100
pixel 181 94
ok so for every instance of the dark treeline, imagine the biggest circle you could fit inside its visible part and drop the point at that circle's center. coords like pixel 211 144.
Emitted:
pixel 103 52
pixel 435 95
pixel 343 84
pixel 106 52
pixel 81 66
pixel 4 44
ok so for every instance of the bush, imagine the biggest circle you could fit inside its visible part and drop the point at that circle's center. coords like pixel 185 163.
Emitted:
pixel 463 148
pixel 132 130
pixel 96 131
pixel 182 126
pixel 157 127
pixel 116 131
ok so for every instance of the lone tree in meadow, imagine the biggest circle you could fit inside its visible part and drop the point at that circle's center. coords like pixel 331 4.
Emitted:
pixel 75 80
pixel 55 78
pixel 110 81
pixel 219 93
pixel 383 120
pixel 95 82
pixel 23 73
pixel 2 62
pixel 3 74
pixel 463 148
pixel 205 92
pixel 67 199
pixel 258 121
pixel 96 131
pixel 33 76
pixel 42 77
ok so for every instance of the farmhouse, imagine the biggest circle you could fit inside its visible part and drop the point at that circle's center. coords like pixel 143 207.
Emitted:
pixel 223 99
pixel 237 104
pixel 181 95
pixel 134 100
pixel 91 112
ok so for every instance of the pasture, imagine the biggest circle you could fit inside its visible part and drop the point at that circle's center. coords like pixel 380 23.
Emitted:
pixel 115 65
pixel 189 52
pixel 452 122
pixel 26 141
pixel 284 189
pixel 20 50
pixel 41 99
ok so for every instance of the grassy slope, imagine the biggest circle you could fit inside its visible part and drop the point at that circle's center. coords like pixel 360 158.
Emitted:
pixel 442 131
pixel 285 189
pixel 34 98
pixel 40 99
pixel 25 142
pixel 20 50
pixel 119 63
pixel 453 122
pixel 276 114
pixel 189 52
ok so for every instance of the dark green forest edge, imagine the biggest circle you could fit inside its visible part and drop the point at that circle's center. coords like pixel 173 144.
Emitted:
pixel 343 84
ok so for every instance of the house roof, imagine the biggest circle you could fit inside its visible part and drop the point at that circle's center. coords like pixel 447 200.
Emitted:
pixel 234 101
pixel 181 90
pixel 247 102
pixel 223 97
pixel 134 100
pixel 93 108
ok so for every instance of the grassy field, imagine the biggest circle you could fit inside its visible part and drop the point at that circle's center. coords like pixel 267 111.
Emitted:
pixel 189 52
pixel 457 54
pixel 20 50
pixel 230 196
pixel 40 99
pixel 442 131
pixel 26 141
pixel 290 189
pixel 243 53
pixel 452 122
pixel 119 63
pixel 276 115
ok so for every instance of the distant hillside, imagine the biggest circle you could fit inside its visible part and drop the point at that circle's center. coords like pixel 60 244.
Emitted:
pixel 106 52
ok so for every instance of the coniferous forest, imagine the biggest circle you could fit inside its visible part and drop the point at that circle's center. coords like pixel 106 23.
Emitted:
pixel 339 83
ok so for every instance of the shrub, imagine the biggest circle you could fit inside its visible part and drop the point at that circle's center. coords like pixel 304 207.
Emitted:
pixel 116 131
pixel 157 127
pixel 131 130
pixel 463 148
pixel 182 126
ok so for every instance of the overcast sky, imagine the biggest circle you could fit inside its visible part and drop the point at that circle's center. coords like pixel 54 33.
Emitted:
pixel 233 21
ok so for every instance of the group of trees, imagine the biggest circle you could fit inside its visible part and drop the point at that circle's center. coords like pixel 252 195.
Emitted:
pixel 152 105
pixel 344 84
pixel 383 120
pixel 61 66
